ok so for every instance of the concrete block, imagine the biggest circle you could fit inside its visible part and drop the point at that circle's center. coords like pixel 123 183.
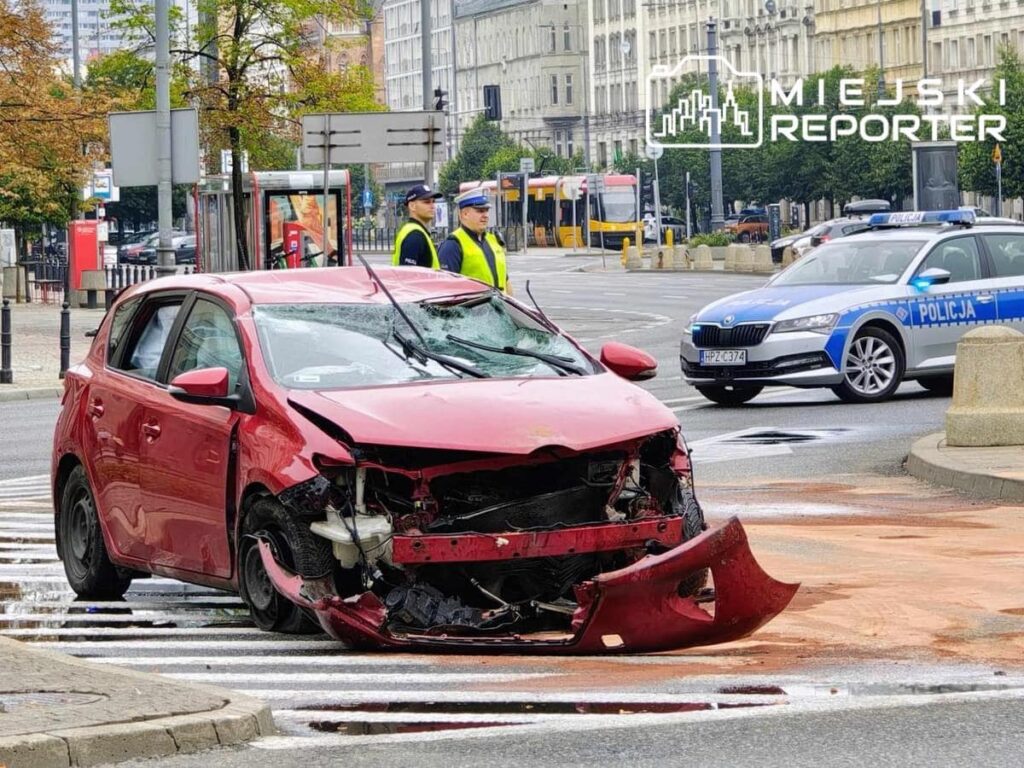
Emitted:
pixel 788 256
pixel 730 258
pixel 114 743
pixel 34 750
pixel 634 257
pixel 702 258
pixel 235 728
pixel 192 733
pixel 744 258
pixel 763 259
pixel 681 259
pixel 988 399
pixel 13 284
pixel 94 280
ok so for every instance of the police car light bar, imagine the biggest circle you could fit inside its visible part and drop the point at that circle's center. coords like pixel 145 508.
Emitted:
pixel 912 218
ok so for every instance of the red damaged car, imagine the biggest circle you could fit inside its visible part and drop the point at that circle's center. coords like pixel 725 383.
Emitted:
pixel 405 458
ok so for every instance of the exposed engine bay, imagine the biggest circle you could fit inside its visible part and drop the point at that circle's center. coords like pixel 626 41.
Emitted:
pixel 411 545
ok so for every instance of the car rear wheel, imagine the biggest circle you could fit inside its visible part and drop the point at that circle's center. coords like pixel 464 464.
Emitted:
pixel 745 237
pixel 872 369
pixel 80 543
pixel 939 385
pixel 295 547
pixel 730 394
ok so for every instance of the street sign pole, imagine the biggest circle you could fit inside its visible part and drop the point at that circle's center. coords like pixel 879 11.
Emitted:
pixel 327 184
pixel 997 158
pixel 689 230
pixel 657 202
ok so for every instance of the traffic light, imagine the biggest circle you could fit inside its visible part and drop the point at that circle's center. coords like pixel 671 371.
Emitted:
pixel 646 191
pixel 492 102
pixel 440 101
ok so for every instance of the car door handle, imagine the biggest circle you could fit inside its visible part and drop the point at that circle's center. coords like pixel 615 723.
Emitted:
pixel 95 409
pixel 985 298
pixel 151 430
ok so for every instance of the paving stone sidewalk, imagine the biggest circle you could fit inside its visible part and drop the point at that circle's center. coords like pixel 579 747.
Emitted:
pixel 58 711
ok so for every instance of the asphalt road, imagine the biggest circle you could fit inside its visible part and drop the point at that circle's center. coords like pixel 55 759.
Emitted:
pixel 800 435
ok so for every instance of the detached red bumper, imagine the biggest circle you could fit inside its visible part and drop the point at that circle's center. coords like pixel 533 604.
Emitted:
pixel 635 609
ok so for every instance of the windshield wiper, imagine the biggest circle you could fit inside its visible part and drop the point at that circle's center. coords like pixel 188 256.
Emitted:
pixel 422 354
pixel 409 346
pixel 561 364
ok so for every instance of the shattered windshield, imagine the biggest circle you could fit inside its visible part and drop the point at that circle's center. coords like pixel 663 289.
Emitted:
pixel 334 346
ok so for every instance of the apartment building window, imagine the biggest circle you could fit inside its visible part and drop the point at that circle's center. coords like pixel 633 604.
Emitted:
pixel 602 154
pixel 558 143
pixel 599 10
pixel 632 147
pixel 652 44
pixel 570 150
pixel 988 50
pixel 953 55
pixel 568 89
pixel 553 41
pixel 618 150
pixel 613 9
pixel 566 38
pixel 554 89
pixel 936 57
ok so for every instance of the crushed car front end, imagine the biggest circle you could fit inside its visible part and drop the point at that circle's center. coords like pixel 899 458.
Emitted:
pixel 603 550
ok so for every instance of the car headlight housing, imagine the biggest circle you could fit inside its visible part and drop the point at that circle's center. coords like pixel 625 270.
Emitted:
pixel 689 324
pixel 813 323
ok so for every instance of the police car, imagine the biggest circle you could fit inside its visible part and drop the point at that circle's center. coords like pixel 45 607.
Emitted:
pixel 862 314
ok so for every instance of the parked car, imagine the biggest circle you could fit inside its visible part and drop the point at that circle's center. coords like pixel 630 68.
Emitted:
pixel 406 456
pixel 147 254
pixel 853 220
pixel 749 228
pixel 863 313
pixel 668 223
pixel 185 250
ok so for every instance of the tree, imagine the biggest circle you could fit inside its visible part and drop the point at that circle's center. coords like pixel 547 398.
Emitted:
pixel 268 71
pixel 44 124
pixel 481 142
pixel 976 169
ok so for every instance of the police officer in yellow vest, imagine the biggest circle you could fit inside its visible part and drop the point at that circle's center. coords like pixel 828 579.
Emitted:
pixel 413 246
pixel 471 250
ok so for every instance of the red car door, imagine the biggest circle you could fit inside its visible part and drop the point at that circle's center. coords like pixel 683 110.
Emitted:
pixel 117 399
pixel 186 452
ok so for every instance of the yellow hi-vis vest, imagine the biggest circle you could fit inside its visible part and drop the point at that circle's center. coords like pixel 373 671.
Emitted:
pixel 474 262
pixel 403 233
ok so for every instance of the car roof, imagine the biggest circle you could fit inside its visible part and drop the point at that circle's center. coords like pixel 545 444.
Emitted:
pixel 325 285
pixel 928 233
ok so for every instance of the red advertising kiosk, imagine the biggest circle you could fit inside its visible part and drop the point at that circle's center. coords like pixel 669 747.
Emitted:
pixel 83 251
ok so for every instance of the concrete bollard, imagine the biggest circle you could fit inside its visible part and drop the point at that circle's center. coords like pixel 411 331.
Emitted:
pixel 730 258
pixel 763 259
pixel 788 256
pixel 94 282
pixel 681 260
pixel 744 259
pixel 988 399
pixel 634 255
pixel 625 251
pixel 702 258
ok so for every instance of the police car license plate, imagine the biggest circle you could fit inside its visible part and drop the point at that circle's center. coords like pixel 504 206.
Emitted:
pixel 723 357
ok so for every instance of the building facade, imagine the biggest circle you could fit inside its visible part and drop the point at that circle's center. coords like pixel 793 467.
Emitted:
pixel 533 50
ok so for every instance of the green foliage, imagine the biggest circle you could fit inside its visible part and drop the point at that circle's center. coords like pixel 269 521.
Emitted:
pixel 976 169
pixel 713 239
pixel 481 142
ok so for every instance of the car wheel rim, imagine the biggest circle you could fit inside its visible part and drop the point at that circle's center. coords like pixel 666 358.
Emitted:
pixel 870 365
pixel 257 583
pixel 80 531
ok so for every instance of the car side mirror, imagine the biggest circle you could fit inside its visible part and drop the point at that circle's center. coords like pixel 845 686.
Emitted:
pixel 931 276
pixel 628 362
pixel 204 386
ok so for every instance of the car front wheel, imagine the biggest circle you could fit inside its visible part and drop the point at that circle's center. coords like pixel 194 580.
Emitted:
pixel 295 547
pixel 873 368
pixel 730 394
pixel 80 543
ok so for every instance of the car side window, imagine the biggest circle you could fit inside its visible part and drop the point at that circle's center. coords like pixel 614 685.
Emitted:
pixel 959 257
pixel 119 325
pixel 148 337
pixel 208 340
pixel 1007 252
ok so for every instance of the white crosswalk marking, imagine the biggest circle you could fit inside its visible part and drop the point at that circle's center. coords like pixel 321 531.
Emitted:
pixel 34 488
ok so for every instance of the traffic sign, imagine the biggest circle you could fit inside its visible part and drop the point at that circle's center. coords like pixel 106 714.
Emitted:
pixel 526 165
pixel 375 137
pixel 367 198
pixel 595 183
pixel 654 151
pixel 997 155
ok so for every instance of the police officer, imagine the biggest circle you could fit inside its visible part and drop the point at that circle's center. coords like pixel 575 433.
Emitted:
pixel 471 250
pixel 413 246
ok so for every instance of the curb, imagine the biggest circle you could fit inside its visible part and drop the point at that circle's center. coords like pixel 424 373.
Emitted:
pixel 38 393
pixel 929 460
pixel 236 722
